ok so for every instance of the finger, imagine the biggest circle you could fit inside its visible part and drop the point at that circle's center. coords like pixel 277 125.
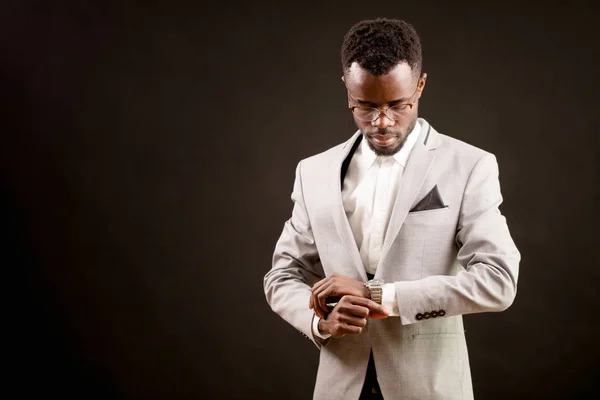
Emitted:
pixel 377 311
pixel 320 297
pixel 311 302
pixel 313 305
pixel 316 307
pixel 318 289
pixel 342 329
pixel 333 291
pixel 350 329
pixel 320 283
pixel 378 316
pixel 374 308
pixel 347 308
pixel 321 313
pixel 358 311
pixel 320 309
pixel 352 320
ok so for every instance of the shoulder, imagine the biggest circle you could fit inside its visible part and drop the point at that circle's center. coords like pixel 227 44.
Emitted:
pixel 459 151
pixel 459 157
pixel 455 146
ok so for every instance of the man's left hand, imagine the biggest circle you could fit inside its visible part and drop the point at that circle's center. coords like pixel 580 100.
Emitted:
pixel 331 289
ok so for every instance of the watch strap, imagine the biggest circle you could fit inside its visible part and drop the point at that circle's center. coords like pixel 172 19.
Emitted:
pixel 376 294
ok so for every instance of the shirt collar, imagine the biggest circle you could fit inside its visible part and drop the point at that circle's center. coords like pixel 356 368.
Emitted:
pixel 401 156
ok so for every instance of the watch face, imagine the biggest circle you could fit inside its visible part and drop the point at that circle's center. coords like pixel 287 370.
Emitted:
pixel 374 282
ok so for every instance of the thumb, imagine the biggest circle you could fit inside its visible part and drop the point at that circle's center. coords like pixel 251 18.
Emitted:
pixel 377 311
pixel 378 308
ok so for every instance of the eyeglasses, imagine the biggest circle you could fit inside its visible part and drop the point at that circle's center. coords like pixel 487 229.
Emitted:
pixel 370 114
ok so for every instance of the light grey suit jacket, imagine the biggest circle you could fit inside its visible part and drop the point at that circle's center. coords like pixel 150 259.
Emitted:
pixel 455 260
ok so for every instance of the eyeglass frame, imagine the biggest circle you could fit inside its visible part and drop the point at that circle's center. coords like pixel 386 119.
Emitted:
pixel 351 107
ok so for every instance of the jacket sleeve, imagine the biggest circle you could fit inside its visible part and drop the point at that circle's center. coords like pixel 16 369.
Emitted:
pixel 296 267
pixel 486 250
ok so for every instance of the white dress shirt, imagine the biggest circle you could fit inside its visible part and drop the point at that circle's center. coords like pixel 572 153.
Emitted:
pixel 369 193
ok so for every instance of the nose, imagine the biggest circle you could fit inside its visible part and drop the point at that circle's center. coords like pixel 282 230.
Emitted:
pixel 383 121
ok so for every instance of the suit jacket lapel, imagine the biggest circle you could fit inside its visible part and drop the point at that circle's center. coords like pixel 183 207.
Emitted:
pixel 339 214
pixel 419 162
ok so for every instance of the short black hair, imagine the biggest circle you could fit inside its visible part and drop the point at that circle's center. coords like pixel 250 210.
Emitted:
pixel 378 45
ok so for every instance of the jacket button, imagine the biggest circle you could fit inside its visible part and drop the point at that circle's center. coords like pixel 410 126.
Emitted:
pixel 426 315
pixel 434 314
pixel 441 313
pixel 419 316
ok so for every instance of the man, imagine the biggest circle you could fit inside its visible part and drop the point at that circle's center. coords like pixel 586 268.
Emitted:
pixel 394 235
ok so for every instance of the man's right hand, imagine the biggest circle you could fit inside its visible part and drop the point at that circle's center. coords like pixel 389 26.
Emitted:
pixel 350 315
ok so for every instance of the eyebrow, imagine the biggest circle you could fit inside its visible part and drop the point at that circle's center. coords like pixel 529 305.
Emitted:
pixel 389 102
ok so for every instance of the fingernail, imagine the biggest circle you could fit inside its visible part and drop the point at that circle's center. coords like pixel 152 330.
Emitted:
pixel 386 311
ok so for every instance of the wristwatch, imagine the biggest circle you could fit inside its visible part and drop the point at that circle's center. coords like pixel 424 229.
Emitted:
pixel 375 287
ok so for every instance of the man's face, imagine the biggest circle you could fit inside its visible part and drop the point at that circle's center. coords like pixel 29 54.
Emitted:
pixel 399 87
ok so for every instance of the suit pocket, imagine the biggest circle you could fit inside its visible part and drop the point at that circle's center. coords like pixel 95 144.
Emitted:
pixel 431 201
pixel 430 211
pixel 438 216
pixel 429 236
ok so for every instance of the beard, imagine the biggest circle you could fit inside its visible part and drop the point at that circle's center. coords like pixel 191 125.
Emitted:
pixel 401 135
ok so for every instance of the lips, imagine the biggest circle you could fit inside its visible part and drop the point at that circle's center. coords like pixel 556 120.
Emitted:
pixel 384 140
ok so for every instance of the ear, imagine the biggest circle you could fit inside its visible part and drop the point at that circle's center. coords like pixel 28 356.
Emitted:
pixel 421 84
pixel 422 81
pixel 343 79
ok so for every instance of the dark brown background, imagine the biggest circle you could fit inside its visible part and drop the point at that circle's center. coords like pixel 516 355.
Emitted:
pixel 147 159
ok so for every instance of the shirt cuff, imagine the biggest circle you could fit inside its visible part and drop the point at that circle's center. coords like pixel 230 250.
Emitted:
pixel 388 299
pixel 315 329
